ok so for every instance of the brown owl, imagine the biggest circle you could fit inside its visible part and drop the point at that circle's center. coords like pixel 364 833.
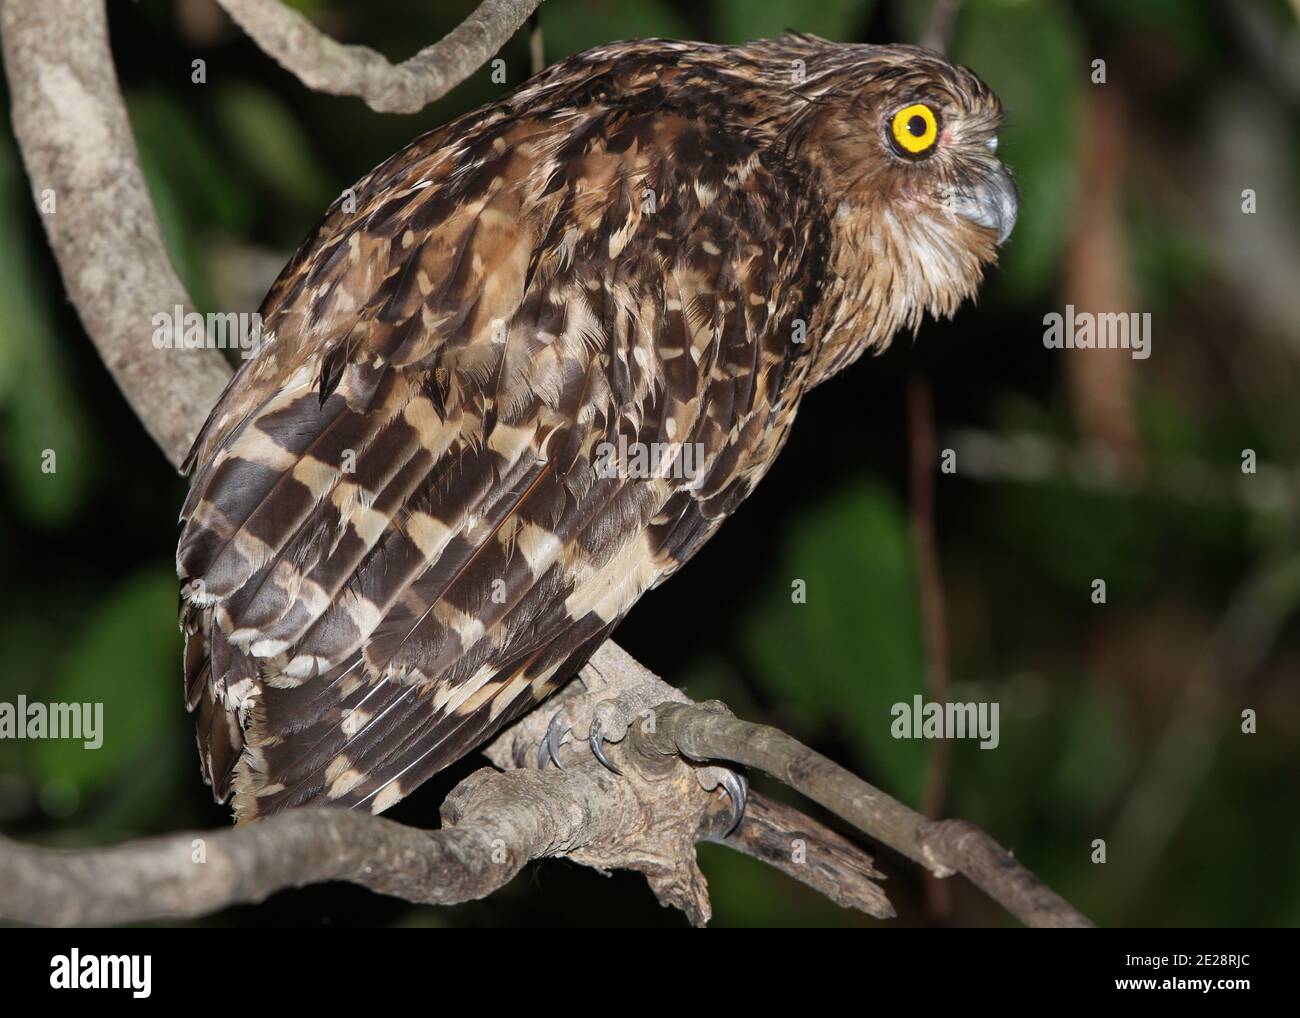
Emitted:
pixel 523 370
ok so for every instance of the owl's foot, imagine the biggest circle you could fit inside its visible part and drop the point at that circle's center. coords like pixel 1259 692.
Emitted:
pixel 607 725
pixel 549 748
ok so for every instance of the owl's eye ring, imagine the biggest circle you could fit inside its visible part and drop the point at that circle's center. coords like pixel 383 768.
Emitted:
pixel 914 129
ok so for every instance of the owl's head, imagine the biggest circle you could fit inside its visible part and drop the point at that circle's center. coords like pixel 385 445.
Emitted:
pixel 906 145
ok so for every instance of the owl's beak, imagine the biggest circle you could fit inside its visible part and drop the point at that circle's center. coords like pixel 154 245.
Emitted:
pixel 993 202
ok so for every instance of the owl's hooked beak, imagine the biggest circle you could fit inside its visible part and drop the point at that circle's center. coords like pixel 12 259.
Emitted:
pixel 993 202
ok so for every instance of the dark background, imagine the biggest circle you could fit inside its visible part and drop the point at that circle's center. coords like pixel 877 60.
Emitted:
pixel 1119 721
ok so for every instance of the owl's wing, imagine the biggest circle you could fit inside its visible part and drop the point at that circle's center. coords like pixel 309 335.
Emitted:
pixel 409 519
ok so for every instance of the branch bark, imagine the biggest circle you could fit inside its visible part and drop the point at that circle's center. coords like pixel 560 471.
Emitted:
pixel 498 823
pixel 708 731
pixel 197 872
pixel 494 822
pixel 75 140
pixel 324 65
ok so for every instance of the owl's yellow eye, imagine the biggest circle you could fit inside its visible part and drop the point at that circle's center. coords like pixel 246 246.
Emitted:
pixel 914 129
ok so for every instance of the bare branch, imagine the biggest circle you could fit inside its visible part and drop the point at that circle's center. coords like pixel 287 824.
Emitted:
pixel 943 15
pixel 76 142
pixel 536 44
pixel 708 731
pixel 498 823
pixel 324 65
pixel 647 820
pixel 934 631
pixel 800 847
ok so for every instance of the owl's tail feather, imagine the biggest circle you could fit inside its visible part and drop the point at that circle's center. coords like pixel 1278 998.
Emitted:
pixel 381 740
pixel 220 738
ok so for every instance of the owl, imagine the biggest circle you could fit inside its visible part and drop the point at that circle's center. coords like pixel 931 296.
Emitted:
pixel 520 372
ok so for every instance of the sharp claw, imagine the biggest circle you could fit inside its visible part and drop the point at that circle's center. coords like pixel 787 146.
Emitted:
pixel 550 746
pixel 736 789
pixel 597 748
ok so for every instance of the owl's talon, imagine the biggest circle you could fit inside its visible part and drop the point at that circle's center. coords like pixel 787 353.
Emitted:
pixel 596 740
pixel 736 788
pixel 550 746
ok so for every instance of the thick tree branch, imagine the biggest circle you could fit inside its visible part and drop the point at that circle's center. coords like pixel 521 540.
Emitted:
pixel 324 65
pixel 195 873
pixel 198 872
pixel 494 822
pixel 76 142
pixel 501 821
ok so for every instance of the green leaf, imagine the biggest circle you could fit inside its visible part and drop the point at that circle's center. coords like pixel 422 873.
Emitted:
pixel 176 149
pixel 581 24
pixel 748 894
pixel 847 656
pixel 1095 751
pixel 745 20
pixel 127 658
pixel 190 186
pixel 266 138
pixel 43 423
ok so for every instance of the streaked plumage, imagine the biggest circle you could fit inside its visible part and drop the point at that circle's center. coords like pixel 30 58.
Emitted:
pixel 396 539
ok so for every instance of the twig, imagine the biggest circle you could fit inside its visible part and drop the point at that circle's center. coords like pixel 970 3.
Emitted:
pixel 536 44
pixel 943 16
pixel 324 65
pixel 1102 387
pixel 920 430
pixel 1035 458
pixel 1162 795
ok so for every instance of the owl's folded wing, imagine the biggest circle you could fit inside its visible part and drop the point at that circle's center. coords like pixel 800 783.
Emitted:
pixel 415 512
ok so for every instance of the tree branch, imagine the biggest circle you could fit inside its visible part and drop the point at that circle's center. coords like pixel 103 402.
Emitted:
pixel 501 821
pixel 934 630
pixel 494 822
pixel 943 15
pixel 324 65
pixel 197 872
pixel 708 731
pixel 75 140
pixel 804 849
